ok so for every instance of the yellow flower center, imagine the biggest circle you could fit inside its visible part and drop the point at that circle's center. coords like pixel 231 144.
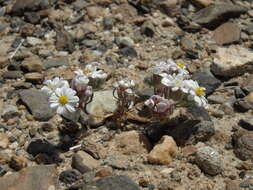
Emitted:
pixel 200 91
pixel 86 71
pixel 63 99
pixel 179 64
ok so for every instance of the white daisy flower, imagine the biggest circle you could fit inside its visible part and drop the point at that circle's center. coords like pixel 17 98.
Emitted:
pixel 196 93
pixel 91 72
pixel 175 82
pixel 64 100
pixel 124 83
pixel 52 85
pixel 170 67
pixel 80 82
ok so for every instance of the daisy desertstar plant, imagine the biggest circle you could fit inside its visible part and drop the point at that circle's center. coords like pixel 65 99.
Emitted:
pixel 173 88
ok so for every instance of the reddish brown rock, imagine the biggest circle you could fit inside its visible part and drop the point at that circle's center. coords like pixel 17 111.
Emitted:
pixel 227 33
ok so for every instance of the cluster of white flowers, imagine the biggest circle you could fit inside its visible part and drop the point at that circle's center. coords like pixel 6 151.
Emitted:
pixel 125 85
pixel 65 98
pixel 124 92
pixel 61 96
pixel 172 81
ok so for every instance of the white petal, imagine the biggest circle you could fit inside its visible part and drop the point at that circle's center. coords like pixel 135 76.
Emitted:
pixel 61 110
pixel 54 105
pixel 70 108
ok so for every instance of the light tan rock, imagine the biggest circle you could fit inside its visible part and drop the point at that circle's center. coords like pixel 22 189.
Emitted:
pixel 232 61
pixel 38 177
pixel 4 141
pixel 84 162
pixel 132 142
pixel 227 33
pixel 32 64
pixel 164 151
pixel 18 162
pixel 249 98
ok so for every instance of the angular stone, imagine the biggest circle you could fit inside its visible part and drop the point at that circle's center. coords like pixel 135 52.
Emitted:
pixel 35 78
pixel 4 141
pixel 117 182
pixel 18 162
pixel 37 177
pixel 232 61
pixel 246 123
pixel 207 80
pixel 56 62
pixel 69 176
pixel 103 103
pixel 139 143
pixel 227 33
pixel 37 103
pixel 41 146
pixel 20 6
pixel 32 64
pixel 164 151
pixel 84 162
pixel 64 40
pixel 216 14
pixel 192 126
pixel 12 74
pixel 243 145
pixel 209 160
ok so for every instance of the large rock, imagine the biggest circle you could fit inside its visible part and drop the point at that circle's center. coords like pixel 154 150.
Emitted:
pixel 84 162
pixel 117 182
pixel 37 103
pixel 164 151
pixel 243 145
pixel 37 177
pixel 28 5
pixel 139 143
pixel 214 15
pixel 32 64
pixel 103 103
pixel 207 80
pixel 232 61
pixel 192 125
pixel 227 33
pixel 56 62
pixel 209 160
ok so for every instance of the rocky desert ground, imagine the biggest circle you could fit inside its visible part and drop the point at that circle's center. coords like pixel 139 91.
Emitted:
pixel 203 149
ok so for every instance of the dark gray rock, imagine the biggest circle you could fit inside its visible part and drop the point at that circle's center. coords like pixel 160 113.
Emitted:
pixel 20 6
pixel 37 103
pixel 2 171
pixel 217 14
pixel 239 93
pixel 118 182
pixel 12 74
pixel 246 123
pixel 55 62
pixel 70 176
pixel 242 105
pixel 243 145
pixel 128 52
pixel 148 29
pixel 108 23
pixel 32 17
pixel 207 80
pixel 209 161
pixel 41 146
pixel 188 127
